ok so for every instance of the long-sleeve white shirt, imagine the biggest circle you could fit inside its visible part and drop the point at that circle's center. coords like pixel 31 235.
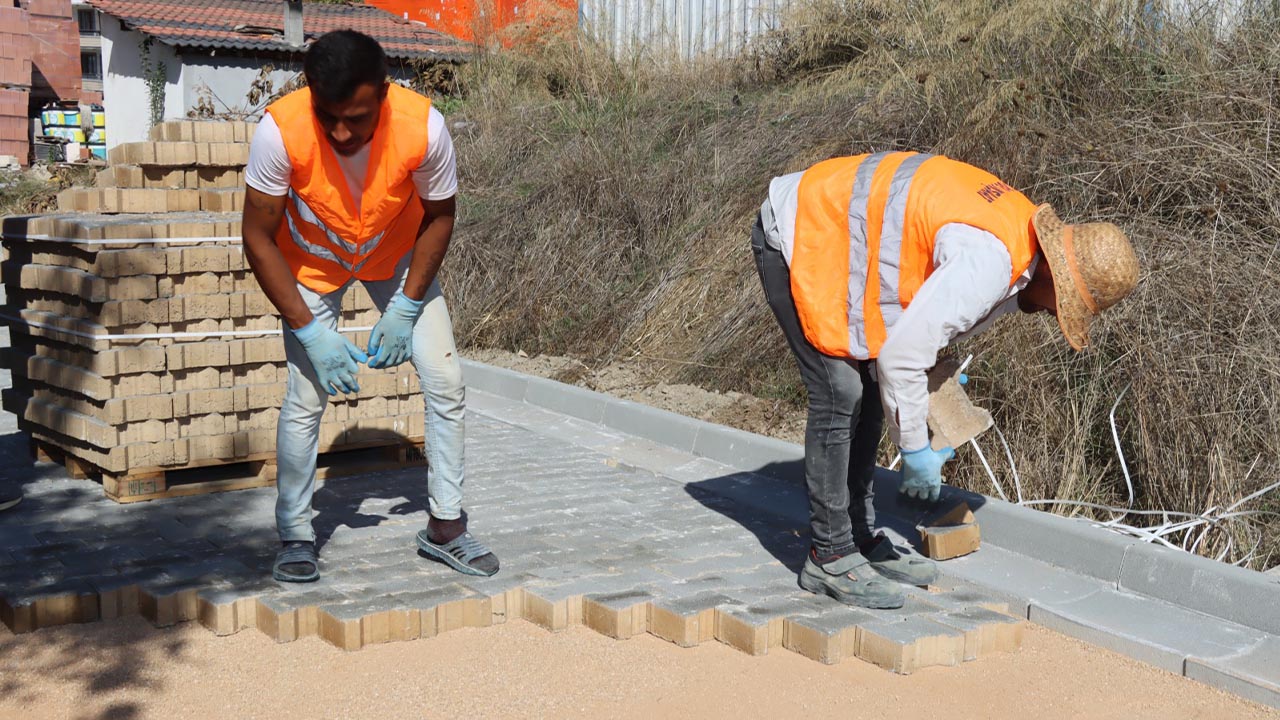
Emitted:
pixel 968 289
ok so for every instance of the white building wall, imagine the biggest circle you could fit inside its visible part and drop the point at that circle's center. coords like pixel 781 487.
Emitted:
pixel 227 80
pixel 126 99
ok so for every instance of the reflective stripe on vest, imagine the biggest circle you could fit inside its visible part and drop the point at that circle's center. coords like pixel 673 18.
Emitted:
pixel 307 215
pixel 315 249
pixel 853 274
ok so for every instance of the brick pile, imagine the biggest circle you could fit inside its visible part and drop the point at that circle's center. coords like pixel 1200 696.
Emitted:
pixel 141 342
pixel 55 50
pixel 15 78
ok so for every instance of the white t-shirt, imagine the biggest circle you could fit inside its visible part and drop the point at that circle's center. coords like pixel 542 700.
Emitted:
pixel 269 169
pixel 968 289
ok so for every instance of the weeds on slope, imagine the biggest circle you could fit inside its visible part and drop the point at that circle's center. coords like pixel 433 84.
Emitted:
pixel 607 205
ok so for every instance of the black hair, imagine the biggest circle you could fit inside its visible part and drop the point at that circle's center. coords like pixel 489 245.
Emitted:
pixel 341 61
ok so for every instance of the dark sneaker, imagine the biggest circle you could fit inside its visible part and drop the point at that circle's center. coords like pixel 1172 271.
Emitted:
pixel 900 563
pixel 8 500
pixel 850 580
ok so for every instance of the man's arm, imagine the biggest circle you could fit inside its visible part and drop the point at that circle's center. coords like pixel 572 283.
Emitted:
pixel 430 249
pixel 263 214
pixel 971 279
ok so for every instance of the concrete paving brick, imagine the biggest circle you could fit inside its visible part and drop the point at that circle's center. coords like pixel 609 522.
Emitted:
pixel 966 596
pixel 751 629
pixel 275 619
pixel 1253 674
pixel 216 609
pixel 340 625
pixel 1162 635
pixel 619 615
pixel 985 631
pixel 910 644
pixel 686 621
pixel 828 638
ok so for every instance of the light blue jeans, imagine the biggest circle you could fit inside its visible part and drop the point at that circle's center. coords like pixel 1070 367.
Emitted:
pixel 440 372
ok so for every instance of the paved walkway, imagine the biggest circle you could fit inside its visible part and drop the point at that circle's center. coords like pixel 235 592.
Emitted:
pixel 584 538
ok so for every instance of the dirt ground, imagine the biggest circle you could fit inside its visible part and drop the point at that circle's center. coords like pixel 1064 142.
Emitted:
pixel 631 381
pixel 127 669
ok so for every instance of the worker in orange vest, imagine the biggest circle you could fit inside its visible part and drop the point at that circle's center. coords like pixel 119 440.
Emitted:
pixel 353 179
pixel 871 265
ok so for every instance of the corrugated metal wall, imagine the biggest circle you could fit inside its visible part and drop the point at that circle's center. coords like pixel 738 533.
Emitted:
pixel 688 27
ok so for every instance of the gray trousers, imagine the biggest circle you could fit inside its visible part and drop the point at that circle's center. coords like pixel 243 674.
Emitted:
pixel 842 433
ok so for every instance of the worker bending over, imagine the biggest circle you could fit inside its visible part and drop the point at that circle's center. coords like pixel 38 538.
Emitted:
pixel 872 264
pixel 353 178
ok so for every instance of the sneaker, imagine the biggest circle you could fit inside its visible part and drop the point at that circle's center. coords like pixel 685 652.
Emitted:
pixel 8 500
pixel 899 563
pixel 850 580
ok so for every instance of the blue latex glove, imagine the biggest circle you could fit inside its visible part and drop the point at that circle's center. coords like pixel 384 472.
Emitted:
pixel 391 341
pixel 333 357
pixel 922 472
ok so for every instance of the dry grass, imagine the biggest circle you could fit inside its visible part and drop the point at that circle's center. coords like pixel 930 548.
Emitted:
pixel 607 206
pixel 23 192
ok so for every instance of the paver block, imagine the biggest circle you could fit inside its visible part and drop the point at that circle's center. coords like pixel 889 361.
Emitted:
pixel 619 615
pixel 216 609
pixel 342 625
pixel 551 610
pixel 118 598
pixel 910 644
pixel 985 631
pixel 752 629
pixel 827 638
pixel 275 619
pixel 67 607
pixel 686 621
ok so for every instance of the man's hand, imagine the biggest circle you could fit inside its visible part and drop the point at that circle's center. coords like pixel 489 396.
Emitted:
pixel 922 472
pixel 333 357
pixel 391 341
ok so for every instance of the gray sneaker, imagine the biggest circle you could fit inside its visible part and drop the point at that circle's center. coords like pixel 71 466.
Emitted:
pixel 850 580
pixel 900 563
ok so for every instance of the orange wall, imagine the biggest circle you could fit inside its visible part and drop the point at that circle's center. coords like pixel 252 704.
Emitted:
pixel 467 19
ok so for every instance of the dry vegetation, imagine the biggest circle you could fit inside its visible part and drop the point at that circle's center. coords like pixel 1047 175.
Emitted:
pixel 608 203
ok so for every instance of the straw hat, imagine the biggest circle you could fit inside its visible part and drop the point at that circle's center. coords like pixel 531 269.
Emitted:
pixel 1093 268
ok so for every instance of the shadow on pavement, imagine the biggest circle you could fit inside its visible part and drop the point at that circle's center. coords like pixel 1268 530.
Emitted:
pixel 772 503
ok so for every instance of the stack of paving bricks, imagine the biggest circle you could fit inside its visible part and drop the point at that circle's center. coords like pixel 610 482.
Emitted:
pixel 142 347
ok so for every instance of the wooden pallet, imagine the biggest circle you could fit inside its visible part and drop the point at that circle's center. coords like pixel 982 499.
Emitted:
pixel 238 474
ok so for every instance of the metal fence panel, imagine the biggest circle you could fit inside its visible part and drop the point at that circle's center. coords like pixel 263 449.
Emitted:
pixel 690 28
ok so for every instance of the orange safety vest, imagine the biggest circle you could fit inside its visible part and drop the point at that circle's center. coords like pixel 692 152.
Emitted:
pixel 864 238
pixel 324 239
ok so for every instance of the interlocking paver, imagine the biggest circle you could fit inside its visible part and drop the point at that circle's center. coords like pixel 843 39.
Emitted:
pixel 585 533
